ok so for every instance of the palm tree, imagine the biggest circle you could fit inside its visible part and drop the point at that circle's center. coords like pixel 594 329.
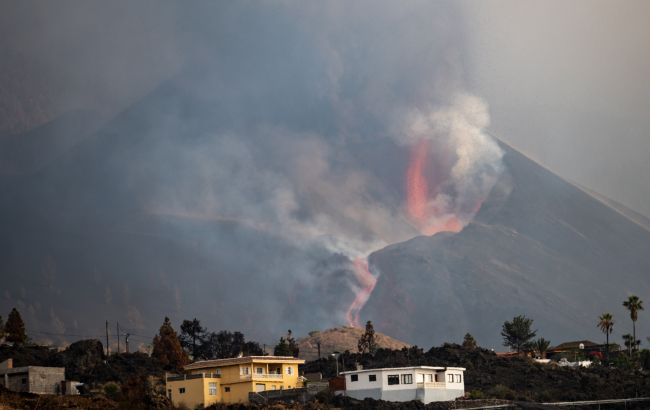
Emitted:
pixel 606 324
pixel 541 346
pixel 633 304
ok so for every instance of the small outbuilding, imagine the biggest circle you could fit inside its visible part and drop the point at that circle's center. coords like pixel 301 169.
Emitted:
pixel 31 379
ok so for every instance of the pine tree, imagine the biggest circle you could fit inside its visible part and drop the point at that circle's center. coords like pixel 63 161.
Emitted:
pixel 518 334
pixel 293 346
pixel 2 329
pixel 167 348
pixel 469 343
pixel 367 343
pixel 15 328
pixel 192 337
pixel 282 348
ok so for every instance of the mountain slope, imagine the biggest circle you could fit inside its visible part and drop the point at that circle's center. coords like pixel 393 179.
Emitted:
pixel 539 246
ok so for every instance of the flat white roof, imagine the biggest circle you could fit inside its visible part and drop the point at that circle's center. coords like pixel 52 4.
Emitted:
pixel 403 368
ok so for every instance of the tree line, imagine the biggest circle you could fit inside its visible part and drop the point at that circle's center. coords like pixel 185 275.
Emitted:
pixel 518 334
pixel 194 342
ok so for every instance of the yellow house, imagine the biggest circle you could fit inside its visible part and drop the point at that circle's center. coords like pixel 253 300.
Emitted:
pixel 230 380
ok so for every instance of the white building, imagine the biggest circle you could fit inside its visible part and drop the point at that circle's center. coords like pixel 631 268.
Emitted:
pixel 423 383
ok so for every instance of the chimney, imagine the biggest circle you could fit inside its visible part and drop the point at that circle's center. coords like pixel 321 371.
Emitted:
pixel 7 364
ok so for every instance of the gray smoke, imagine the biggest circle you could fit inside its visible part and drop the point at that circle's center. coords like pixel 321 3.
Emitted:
pixel 266 151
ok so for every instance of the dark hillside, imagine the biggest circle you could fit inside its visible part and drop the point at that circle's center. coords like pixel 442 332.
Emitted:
pixel 539 246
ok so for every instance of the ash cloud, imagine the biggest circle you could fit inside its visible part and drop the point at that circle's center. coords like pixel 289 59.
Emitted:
pixel 270 158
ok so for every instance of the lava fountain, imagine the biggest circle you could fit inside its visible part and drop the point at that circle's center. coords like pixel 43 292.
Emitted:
pixel 421 211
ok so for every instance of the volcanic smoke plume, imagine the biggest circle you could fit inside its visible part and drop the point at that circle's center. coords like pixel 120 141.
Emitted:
pixel 295 140
pixel 450 141
pixel 468 162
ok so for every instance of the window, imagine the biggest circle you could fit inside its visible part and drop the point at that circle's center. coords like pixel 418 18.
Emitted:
pixel 290 370
pixel 354 377
pixel 226 389
pixel 217 371
pixel 458 378
pixel 259 370
pixel 407 379
pixel 244 371
pixel 212 389
pixel 440 377
pixel 393 379
pixel 429 378
pixel 169 393
pixel 181 390
pixel 450 378
pixel 24 381
pixel 273 387
pixel 372 377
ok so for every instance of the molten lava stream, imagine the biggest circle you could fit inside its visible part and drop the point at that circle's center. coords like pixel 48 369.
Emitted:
pixel 424 216
pixel 367 282
pixel 417 185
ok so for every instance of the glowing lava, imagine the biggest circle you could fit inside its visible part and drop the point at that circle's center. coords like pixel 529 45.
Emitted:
pixel 417 185
pixel 367 282
pixel 422 213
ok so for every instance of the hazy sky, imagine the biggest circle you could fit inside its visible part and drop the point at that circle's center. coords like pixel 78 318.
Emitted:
pixel 567 83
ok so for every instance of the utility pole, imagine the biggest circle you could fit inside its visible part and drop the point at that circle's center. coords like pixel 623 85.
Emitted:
pixel 118 337
pixel 108 351
pixel 318 345
pixel 126 341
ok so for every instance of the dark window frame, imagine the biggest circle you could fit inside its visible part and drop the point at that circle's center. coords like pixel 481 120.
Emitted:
pixel 393 379
pixel 372 377
pixel 354 377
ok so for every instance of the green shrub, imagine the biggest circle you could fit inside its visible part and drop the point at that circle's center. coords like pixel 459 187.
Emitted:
pixel 112 390
pixel 476 395
pixel 502 392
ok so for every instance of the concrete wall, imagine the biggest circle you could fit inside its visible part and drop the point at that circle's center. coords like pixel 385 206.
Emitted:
pixel 431 395
pixel 364 393
pixel 45 380
pixel 33 379
pixel 17 381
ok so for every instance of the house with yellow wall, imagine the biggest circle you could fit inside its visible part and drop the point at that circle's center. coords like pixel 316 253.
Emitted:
pixel 230 380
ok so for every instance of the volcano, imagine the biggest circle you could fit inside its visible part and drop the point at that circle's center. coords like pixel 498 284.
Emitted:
pixel 250 216
pixel 539 246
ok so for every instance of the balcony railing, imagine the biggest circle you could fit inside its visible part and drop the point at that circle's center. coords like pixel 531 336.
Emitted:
pixel 267 376
pixel 273 376
pixel 177 377
pixel 432 385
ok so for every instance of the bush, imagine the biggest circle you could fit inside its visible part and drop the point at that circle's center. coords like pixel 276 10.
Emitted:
pixel 502 392
pixel 112 390
pixel 476 395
